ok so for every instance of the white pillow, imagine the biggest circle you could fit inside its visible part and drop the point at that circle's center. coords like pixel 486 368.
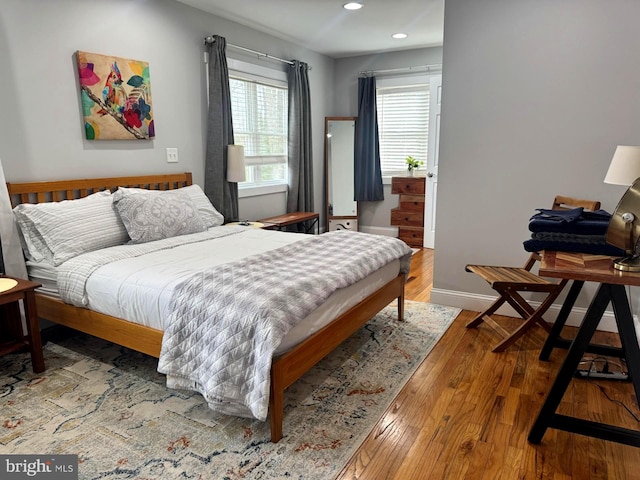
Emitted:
pixel 208 213
pixel 58 231
pixel 153 215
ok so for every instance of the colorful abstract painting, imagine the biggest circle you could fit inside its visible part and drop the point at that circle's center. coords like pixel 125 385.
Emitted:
pixel 116 97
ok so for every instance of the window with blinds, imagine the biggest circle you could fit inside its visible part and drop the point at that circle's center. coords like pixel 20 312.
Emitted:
pixel 260 124
pixel 403 126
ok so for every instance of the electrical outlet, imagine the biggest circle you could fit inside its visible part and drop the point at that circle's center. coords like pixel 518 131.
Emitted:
pixel 172 155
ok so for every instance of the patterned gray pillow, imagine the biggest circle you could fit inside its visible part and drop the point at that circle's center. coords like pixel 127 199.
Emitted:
pixel 209 214
pixel 154 215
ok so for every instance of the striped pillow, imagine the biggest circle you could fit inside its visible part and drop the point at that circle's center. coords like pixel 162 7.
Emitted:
pixel 71 227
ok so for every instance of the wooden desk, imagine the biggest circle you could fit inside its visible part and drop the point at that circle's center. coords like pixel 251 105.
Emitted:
pixel 293 218
pixel 590 268
pixel 10 318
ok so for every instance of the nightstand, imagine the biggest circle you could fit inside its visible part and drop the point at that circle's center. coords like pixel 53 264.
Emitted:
pixel 11 323
pixel 293 218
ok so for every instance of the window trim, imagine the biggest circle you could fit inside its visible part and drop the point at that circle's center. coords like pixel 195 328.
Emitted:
pixel 266 189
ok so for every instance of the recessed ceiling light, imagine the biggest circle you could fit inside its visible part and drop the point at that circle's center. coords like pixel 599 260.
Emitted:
pixel 353 5
pixel 399 35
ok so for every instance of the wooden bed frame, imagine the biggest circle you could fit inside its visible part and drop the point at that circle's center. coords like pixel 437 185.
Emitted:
pixel 285 369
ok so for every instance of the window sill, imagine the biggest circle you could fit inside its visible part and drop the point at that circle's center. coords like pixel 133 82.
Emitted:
pixel 257 190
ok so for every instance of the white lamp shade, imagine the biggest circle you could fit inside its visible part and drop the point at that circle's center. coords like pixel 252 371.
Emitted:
pixel 235 164
pixel 625 166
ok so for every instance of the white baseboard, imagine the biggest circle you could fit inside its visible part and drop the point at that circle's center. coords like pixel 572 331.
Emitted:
pixel 478 303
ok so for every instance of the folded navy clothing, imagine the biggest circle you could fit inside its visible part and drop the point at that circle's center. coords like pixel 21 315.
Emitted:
pixel 589 223
pixel 534 245
pixel 568 237
pixel 570 215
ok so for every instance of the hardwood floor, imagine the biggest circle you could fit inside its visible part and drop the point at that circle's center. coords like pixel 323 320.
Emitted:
pixel 466 412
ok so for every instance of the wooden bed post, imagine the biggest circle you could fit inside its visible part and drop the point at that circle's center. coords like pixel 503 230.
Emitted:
pixel 401 303
pixel 276 402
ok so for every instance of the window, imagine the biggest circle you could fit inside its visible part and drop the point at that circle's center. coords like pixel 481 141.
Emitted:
pixel 403 126
pixel 259 109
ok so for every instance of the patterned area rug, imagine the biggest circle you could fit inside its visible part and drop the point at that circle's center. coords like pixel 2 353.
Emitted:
pixel 108 405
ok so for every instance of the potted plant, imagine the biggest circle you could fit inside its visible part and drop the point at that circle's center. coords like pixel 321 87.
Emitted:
pixel 413 164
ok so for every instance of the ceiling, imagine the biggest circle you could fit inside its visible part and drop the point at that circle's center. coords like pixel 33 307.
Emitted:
pixel 325 27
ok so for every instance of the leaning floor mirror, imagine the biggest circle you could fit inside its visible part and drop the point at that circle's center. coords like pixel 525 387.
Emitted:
pixel 341 208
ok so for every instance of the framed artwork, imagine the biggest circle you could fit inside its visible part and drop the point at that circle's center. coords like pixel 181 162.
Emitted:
pixel 116 97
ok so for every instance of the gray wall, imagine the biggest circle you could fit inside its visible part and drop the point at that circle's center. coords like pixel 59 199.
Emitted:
pixel 41 133
pixel 374 216
pixel 536 96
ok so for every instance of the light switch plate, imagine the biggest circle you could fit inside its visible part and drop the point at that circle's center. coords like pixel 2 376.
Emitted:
pixel 172 155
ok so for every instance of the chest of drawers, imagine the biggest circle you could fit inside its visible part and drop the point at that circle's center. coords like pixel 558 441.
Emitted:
pixel 409 215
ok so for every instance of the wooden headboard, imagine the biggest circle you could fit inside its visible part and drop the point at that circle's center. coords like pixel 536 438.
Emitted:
pixel 55 191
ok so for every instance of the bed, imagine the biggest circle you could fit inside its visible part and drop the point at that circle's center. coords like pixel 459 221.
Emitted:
pixel 285 366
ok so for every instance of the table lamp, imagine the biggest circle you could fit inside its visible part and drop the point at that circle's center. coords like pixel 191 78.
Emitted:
pixel 235 164
pixel 624 227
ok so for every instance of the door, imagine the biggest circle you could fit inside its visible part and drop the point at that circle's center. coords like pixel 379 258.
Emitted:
pixel 433 153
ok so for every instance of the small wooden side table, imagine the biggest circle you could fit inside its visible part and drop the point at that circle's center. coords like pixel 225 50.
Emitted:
pixel 24 291
pixel 279 221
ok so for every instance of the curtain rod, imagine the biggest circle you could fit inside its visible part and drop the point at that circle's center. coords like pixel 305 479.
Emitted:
pixel 428 67
pixel 209 39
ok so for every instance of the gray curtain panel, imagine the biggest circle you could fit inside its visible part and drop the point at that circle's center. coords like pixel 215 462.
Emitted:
pixel 368 174
pixel 223 195
pixel 300 196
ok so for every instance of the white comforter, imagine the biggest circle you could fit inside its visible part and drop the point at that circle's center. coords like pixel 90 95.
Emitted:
pixel 122 281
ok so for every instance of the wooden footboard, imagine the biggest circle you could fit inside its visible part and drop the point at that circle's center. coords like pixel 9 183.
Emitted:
pixel 286 368
pixel 290 366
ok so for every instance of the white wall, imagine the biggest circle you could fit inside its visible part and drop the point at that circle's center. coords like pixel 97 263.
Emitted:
pixel 41 132
pixel 536 96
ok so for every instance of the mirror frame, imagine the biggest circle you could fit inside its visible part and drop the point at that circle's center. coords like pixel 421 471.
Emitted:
pixel 328 217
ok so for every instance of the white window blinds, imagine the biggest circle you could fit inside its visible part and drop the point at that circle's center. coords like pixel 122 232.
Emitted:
pixel 260 125
pixel 403 126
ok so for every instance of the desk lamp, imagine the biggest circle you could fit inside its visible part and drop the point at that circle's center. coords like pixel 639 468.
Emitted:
pixel 624 227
